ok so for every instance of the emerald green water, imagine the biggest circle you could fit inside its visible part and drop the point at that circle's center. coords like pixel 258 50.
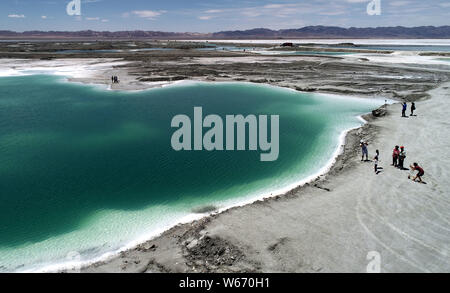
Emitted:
pixel 89 170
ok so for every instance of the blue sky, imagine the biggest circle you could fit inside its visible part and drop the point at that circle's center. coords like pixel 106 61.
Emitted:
pixel 216 15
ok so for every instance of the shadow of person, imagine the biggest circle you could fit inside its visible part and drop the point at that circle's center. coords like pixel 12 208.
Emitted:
pixel 420 182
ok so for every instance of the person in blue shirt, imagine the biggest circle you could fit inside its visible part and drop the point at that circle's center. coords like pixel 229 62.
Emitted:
pixel 404 108
pixel 365 150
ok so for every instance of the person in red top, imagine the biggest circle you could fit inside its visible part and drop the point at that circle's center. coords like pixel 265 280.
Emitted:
pixel 421 172
pixel 395 156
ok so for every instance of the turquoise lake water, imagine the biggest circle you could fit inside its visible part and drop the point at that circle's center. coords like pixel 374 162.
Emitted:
pixel 89 170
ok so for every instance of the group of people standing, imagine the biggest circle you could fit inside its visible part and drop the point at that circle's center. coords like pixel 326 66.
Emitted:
pixel 398 154
pixel 114 79
pixel 398 160
pixel 398 157
pixel 405 108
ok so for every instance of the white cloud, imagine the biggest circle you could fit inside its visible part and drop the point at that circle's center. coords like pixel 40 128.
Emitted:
pixel 399 3
pixel 214 11
pixel 44 17
pixel 92 18
pixel 279 12
pixel 332 13
pixel 357 1
pixel 149 14
pixel 16 16
pixel 250 12
pixel 289 10
pixel 277 6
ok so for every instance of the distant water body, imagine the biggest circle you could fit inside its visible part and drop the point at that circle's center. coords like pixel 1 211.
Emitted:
pixel 416 48
pixel 406 42
pixel 87 170
pixel 420 45
pixel 213 47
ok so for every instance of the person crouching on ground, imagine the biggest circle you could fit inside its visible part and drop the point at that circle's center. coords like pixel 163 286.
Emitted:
pixel 420 172
pixel 401 158
pixel 365 150
pixel 395 156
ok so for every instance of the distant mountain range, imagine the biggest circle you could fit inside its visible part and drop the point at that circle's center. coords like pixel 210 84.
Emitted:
pixel 309 32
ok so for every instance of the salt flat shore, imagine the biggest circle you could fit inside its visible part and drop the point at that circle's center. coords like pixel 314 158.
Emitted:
pixel 331 224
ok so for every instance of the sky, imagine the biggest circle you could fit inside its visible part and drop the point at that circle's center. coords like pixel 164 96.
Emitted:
pixel 205 16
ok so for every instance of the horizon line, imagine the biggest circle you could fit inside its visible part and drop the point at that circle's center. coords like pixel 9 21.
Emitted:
pixel 226 30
